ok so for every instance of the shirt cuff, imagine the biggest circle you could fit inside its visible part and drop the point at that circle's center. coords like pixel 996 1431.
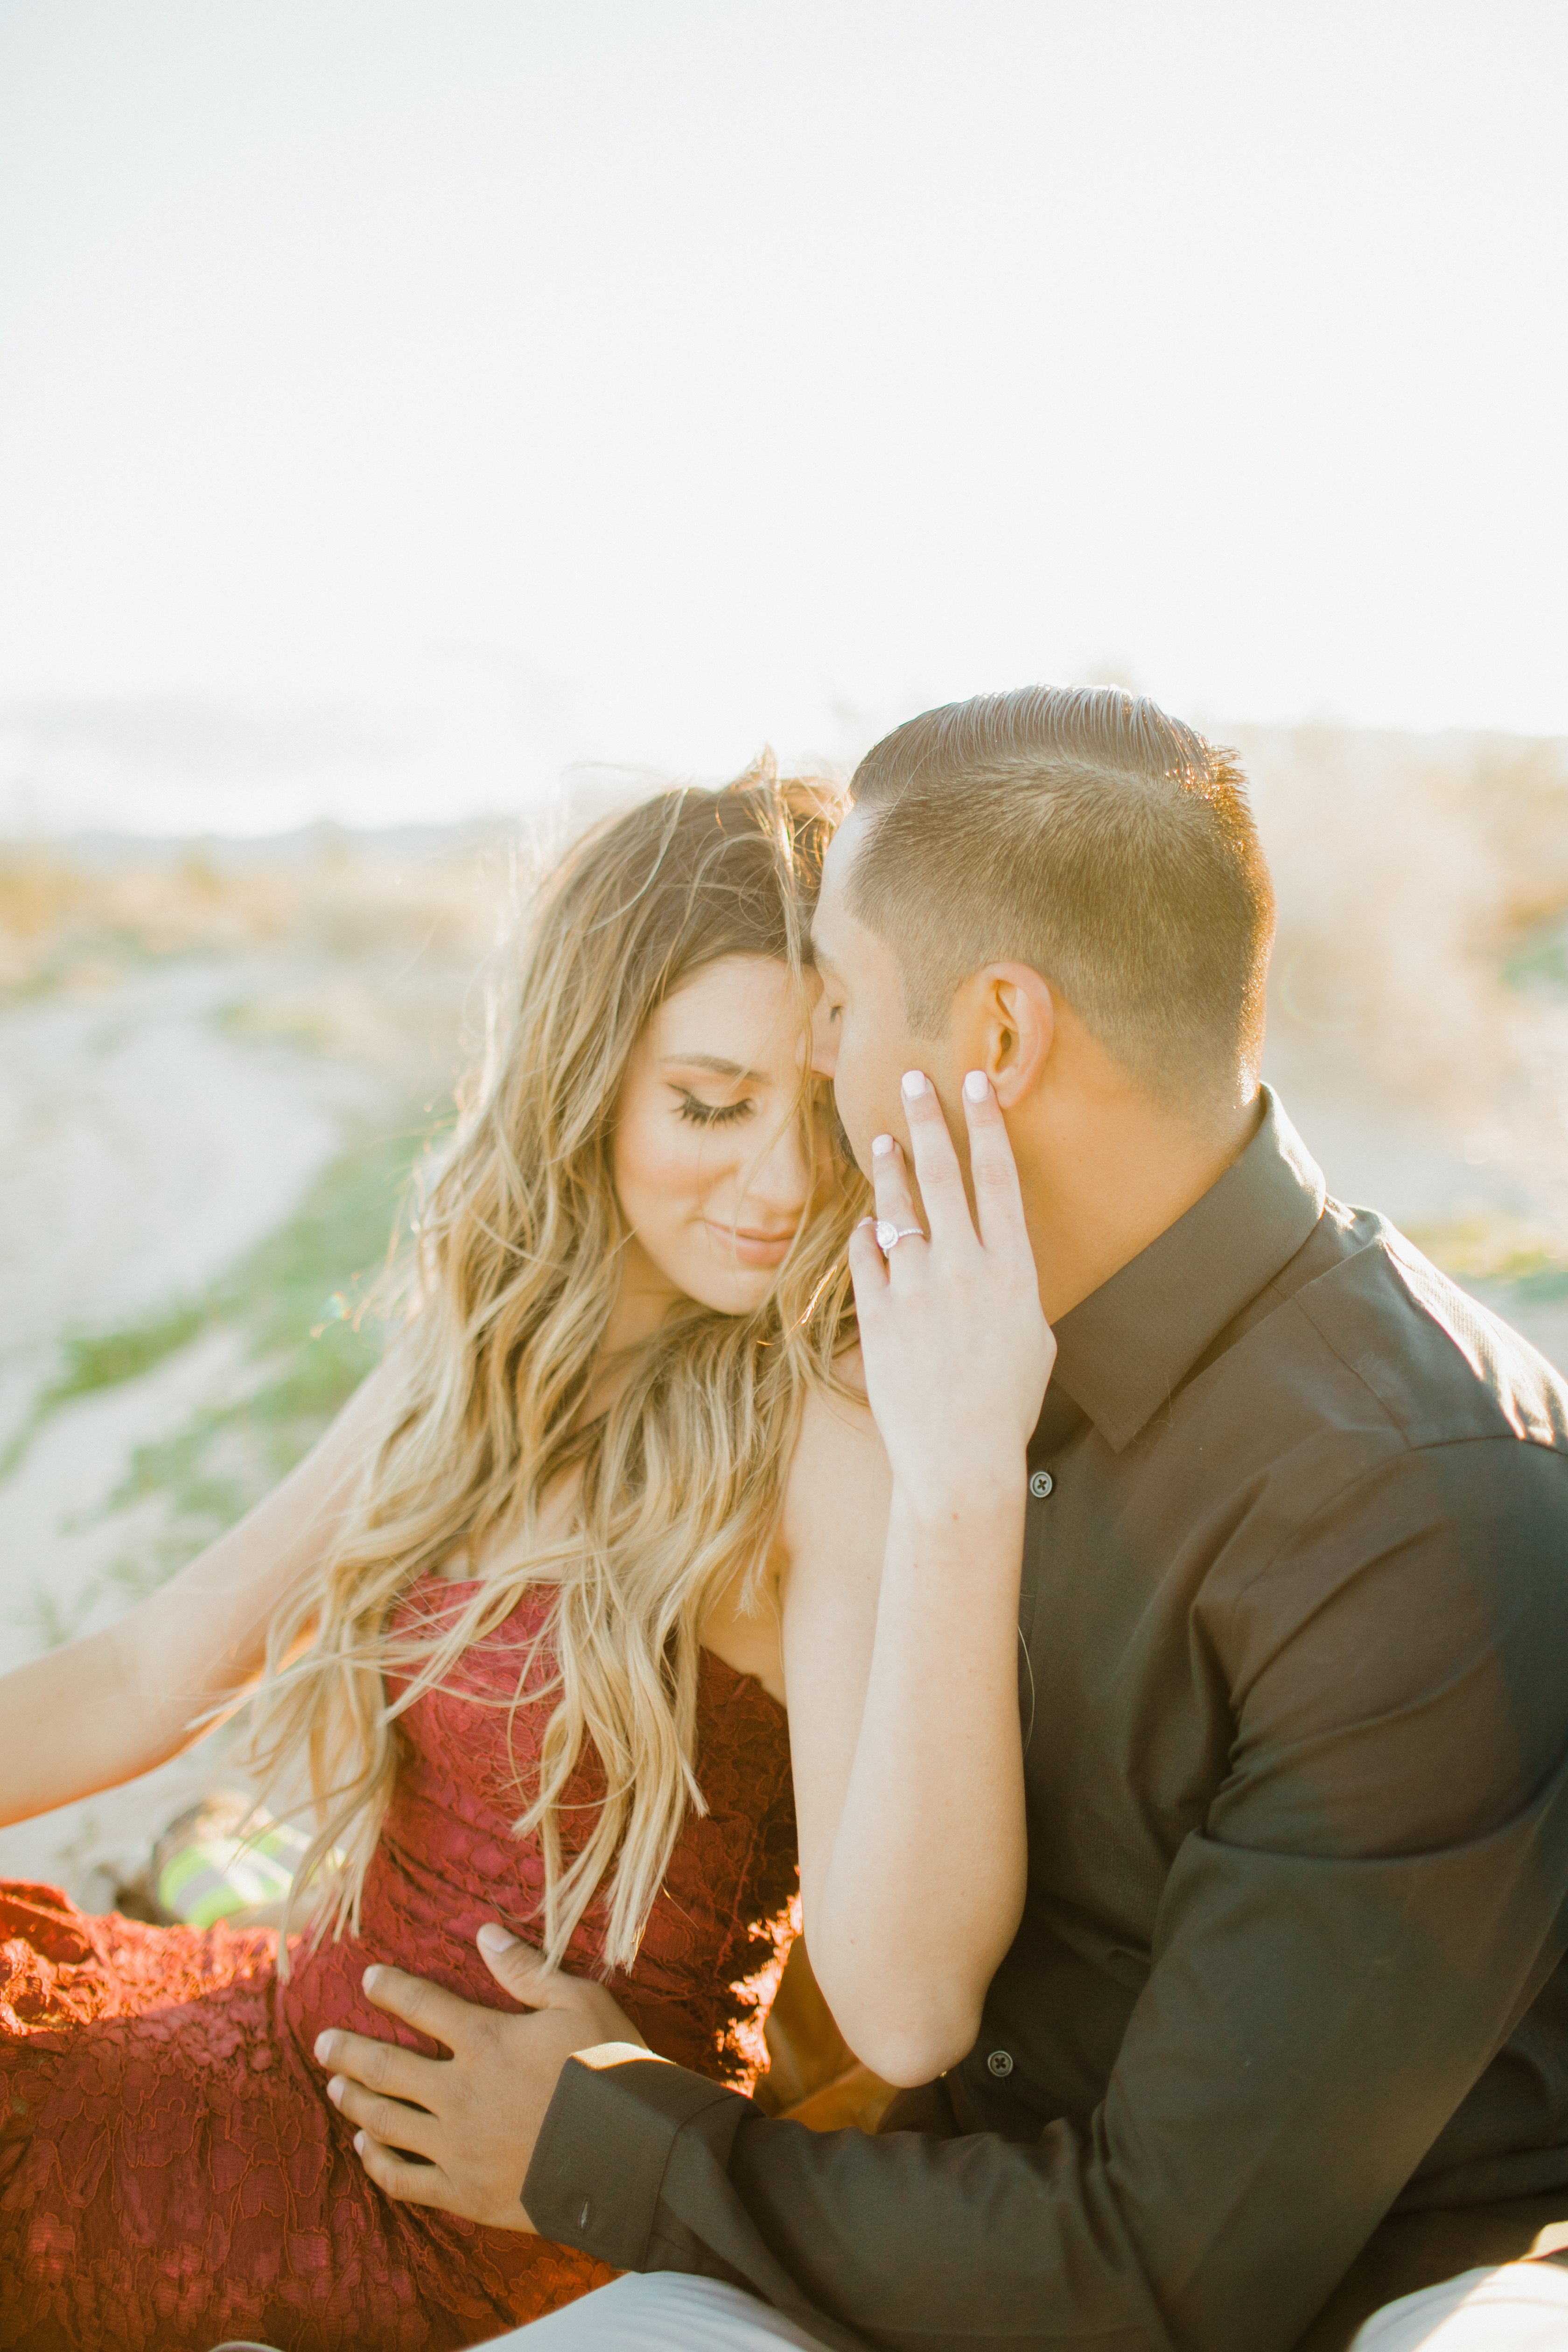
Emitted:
pixel 599 2163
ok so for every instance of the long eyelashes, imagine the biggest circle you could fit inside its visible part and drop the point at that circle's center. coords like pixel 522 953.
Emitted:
pixel 701 1114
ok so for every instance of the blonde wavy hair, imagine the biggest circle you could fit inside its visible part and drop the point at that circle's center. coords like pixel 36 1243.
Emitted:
pixel 513 1275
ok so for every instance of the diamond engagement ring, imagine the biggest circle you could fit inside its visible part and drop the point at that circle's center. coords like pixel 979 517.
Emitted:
pixel 889 1235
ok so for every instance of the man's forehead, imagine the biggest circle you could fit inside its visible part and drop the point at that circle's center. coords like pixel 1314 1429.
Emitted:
pixel 831 917
pixel 826 939
pixel 845 949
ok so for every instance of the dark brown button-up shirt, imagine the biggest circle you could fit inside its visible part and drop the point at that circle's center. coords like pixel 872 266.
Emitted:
pixel 1295 1714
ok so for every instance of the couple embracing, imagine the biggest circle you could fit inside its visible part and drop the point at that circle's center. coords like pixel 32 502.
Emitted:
pixel 1164 1569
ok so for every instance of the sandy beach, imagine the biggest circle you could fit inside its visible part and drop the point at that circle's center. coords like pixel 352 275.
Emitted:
pixel 216 1076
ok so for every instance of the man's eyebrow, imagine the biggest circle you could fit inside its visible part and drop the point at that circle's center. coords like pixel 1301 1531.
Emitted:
pixel 716 1063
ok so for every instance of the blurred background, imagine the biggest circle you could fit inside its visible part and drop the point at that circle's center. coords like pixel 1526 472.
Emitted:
pixel 421 427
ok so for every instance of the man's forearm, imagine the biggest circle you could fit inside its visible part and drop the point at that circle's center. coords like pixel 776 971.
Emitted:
pixel 1308 2029
pixel 632 2166
pixel 902 2240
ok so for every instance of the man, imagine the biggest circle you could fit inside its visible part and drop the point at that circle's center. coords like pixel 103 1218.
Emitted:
pixel 1293 1606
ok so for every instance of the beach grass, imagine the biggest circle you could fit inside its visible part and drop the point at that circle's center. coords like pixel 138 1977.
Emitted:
pixel 102 1359
pixel 303 1306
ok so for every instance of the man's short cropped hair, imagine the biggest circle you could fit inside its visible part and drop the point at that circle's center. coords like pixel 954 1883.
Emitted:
pixel 1084 833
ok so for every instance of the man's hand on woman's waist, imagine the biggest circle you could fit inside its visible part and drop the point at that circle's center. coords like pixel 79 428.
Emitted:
pixel 473 2119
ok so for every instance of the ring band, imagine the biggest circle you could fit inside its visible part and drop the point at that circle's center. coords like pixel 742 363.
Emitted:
pixel 888 1236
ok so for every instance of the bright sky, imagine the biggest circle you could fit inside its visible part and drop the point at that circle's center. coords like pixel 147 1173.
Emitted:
pixel 399 398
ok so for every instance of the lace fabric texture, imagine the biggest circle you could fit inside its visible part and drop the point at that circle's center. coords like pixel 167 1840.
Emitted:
pixel 172 2171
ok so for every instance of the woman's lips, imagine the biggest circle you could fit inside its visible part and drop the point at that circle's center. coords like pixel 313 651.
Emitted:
pixel 751 1249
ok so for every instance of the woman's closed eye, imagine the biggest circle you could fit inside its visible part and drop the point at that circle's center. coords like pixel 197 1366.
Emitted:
pixel 701 1114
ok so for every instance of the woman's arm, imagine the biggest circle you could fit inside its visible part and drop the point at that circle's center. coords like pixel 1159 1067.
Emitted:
pixel 102 1709
pixel 900 1666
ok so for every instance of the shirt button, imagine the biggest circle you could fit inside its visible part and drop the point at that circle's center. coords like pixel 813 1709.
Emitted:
pixel 1000 2061
pixel 1040 1484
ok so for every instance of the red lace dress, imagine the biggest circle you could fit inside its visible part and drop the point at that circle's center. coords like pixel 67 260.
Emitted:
pixel 172 2171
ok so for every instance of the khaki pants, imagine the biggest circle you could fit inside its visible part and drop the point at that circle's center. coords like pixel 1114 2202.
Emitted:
pixel 1504 2306
pixel 662 2311
pixel 1521 2308
pixel 1414 2251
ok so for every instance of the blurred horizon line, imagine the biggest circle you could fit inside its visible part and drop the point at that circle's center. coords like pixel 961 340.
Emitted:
pixel 188 768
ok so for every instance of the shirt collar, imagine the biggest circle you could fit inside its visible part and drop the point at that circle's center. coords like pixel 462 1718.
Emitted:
pixel 1124 1350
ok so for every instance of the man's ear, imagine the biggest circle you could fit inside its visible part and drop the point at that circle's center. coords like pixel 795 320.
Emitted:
pixel 1018 1027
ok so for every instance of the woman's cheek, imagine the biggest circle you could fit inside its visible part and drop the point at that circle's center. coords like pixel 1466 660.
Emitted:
pixel 659 1170
pixel 676 1162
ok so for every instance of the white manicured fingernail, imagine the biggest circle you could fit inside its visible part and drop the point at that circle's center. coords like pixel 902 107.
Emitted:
pixel 335 2090
pixel 358 2143
pixel 495 1938
pixel 324 2048
pixel 976 1087
pixel 915 1083
pixel 881 1145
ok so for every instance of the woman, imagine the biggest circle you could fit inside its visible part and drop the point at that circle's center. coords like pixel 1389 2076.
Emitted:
pixel 523 1615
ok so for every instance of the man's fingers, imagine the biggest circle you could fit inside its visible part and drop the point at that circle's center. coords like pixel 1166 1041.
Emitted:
pixel 936 1164
pixel 385 2119
pixel 428 2007
pixel 998 1196
pixel 520 1970
pixel 379 2066
pixel 411 2184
